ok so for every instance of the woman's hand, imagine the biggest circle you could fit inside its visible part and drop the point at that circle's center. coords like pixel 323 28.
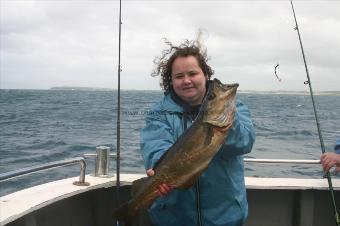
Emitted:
pixel 330 159
pixel 163 189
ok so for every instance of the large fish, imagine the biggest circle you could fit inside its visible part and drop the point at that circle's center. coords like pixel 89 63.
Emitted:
pixel 185 161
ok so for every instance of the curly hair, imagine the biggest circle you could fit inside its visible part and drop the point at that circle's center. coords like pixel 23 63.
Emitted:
pixel 188 48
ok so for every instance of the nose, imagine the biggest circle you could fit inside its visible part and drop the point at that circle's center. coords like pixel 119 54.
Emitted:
pixel 186 79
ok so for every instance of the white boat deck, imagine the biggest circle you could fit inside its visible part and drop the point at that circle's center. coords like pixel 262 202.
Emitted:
pixel 20 203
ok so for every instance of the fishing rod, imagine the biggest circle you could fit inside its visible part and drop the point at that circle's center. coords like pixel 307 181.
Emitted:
pixel 118 111
pixel 328 176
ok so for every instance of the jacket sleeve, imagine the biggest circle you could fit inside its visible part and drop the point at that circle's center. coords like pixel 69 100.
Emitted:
pixel 156 138
pixel 241 136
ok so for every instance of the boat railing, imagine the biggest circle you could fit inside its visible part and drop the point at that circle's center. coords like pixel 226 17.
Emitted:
pixel 289 161
pixel 102 159
pixel 33 169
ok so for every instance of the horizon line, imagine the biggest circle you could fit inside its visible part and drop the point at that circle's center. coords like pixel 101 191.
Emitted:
pixel 84 88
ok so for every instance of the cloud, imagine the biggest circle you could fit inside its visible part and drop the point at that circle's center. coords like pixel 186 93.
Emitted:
pixel 75 43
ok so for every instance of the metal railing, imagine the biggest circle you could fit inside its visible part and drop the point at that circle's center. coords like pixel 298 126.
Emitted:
pixel 291 161
pixel 33 169
pixel 102 156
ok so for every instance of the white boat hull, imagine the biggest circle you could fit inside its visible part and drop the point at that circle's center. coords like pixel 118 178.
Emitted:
pixel 272 202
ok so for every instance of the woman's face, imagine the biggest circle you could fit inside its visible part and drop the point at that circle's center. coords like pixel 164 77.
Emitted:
pixel 188 80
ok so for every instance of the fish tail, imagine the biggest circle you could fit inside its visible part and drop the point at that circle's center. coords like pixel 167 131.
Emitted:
pixel 123 214
pixel 128 212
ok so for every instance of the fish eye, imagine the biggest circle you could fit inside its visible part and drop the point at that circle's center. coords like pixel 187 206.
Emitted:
pixel 212 96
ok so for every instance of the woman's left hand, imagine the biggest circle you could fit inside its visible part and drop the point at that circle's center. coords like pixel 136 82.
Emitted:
pixel 163 189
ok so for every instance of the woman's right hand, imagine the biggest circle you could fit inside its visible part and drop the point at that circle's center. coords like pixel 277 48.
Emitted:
pixel 163 189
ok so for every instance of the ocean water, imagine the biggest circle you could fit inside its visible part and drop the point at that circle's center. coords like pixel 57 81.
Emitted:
pixel 40 126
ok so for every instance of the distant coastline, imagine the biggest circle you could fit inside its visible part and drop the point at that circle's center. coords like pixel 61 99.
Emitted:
pixel 79 88
pixel 282 92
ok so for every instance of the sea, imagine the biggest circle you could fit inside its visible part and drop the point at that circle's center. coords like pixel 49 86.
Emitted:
pixel 42 126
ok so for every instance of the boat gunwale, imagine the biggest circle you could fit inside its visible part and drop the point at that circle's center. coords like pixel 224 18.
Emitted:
pixel 54 191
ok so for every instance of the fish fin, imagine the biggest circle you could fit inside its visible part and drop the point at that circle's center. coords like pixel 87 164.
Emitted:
pixel 123 214
pixel 137 185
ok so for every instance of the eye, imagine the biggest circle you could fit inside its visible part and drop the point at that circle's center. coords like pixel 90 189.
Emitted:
pixel 192 73
pixel 212 96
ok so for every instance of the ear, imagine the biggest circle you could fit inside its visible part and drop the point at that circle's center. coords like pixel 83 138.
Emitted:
pixel 206 77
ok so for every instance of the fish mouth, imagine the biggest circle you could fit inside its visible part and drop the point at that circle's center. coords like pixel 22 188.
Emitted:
pixel 226 87
pixel 220 106
pixel 230 87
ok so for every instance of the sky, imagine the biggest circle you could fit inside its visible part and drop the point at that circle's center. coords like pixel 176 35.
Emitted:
pixel 49 43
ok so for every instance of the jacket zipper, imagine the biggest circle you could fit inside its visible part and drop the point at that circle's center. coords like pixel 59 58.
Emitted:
pixel 197 185
pixel 198 204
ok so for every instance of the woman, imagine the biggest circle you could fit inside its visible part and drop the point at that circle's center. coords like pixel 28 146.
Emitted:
pixel 219 195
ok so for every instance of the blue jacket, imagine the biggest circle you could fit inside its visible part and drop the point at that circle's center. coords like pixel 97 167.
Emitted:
pixel 219 195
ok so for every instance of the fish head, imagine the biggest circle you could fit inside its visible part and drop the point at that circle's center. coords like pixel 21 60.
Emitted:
pixel 220 104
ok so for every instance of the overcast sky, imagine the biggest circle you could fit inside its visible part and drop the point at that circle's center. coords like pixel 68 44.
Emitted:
pixel 46 43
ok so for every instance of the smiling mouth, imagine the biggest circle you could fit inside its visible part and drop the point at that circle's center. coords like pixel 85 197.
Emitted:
pixel 188 88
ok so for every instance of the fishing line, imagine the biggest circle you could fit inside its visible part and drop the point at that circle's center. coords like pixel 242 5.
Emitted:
pixel 328 176
pixel 118 113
